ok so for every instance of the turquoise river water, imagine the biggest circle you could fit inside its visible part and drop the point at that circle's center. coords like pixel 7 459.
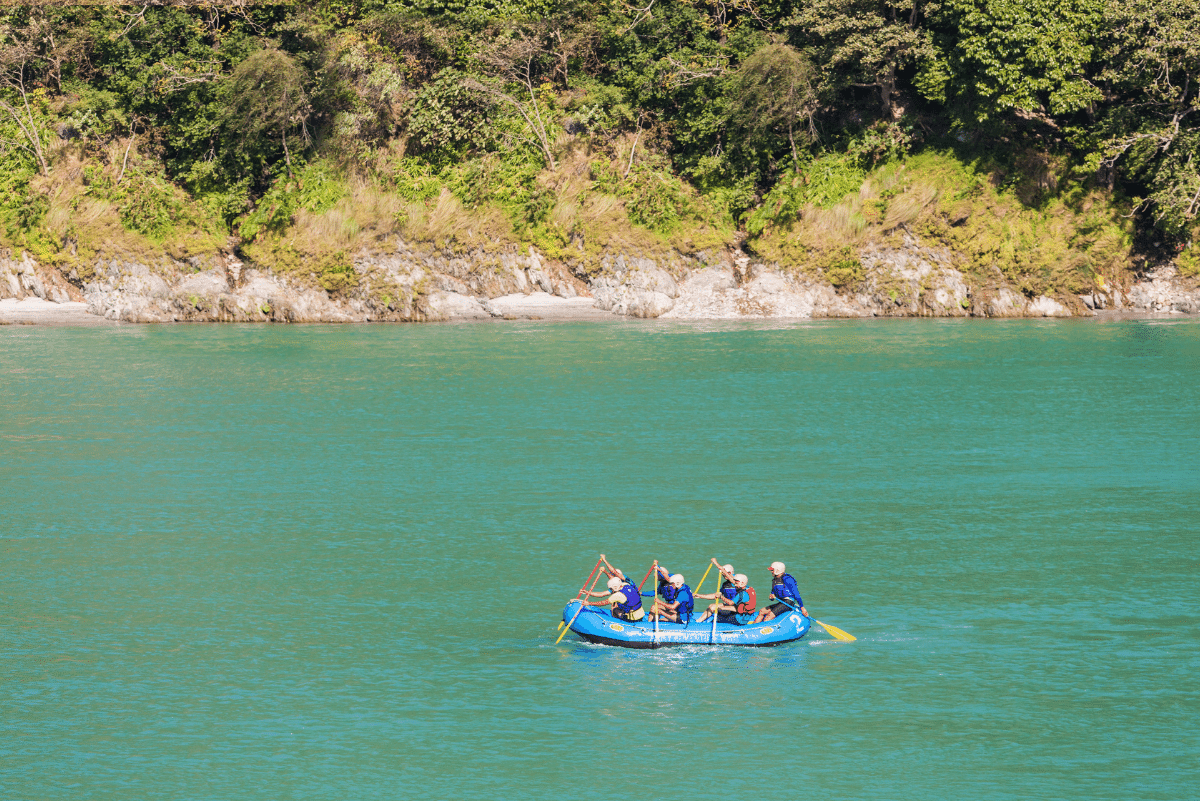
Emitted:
pixel 312 562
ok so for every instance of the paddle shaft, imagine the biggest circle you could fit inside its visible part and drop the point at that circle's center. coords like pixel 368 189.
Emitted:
pixel 648 572
pixel 577 611
pixel 712 637
pixel 654 641
pixel 585 583
pixel 702 578
pixel 832 631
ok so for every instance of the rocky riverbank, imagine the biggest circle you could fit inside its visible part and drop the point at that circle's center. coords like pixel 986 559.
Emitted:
pixel 411 284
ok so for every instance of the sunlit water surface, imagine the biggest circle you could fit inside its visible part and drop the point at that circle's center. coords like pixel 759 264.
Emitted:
pixel 328 562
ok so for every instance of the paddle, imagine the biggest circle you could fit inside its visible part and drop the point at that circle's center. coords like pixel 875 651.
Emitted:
pixel 581 605
pixel 716 607
pixel 835 631
pixel 581 589
pixel 702 578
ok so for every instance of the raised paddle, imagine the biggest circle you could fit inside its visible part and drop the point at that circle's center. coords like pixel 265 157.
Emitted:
pixel 581 589
pixel 577 595
pixel 702 578
pixel 581 607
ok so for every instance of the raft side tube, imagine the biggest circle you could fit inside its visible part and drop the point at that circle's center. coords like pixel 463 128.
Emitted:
pixel 597 625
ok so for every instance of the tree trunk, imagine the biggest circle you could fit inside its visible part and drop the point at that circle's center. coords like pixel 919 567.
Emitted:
pixel 887 87
pixel 287 155
pixel 27 122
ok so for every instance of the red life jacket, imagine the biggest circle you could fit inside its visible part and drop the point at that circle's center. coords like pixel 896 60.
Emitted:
pixel 748 607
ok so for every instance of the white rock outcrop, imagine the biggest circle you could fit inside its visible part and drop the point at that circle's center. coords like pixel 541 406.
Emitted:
pixel 405 283
pixel 634 288
pixel 1164 290
pixel 1043 306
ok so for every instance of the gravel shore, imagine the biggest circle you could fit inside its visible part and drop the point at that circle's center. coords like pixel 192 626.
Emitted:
pixel 35 311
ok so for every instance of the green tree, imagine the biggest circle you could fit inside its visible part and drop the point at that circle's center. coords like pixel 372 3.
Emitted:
pixel 1150 130
pixel 27 53
pixel 266 97
pixel 865 43
pixel 774 92
pixel 518 66
pixel 1027 55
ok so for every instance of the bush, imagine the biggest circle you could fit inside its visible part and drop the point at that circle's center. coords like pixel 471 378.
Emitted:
pixel 1188 261
pixel 148 205
pixel 844 269
pixel 654 197
pixel 336 273
pixel 820 183
pixel 315 188
pixel 447 117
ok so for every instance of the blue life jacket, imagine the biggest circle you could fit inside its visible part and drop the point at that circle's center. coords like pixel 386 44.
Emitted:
pixel 669 592
pixel 784 589
pixel 686 602
pixel 743 601
pixel 729 591
pixel 633 599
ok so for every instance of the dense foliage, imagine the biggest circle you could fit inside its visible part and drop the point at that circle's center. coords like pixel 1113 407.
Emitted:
pixel 194 123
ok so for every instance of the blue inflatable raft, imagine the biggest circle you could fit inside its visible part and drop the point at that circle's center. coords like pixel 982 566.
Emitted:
pixel 595 624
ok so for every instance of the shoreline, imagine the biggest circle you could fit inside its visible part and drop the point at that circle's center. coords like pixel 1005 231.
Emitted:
pixel 416 286
pixel 38 312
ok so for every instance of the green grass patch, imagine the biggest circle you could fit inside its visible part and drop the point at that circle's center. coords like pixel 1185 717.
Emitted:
pixel 1024 226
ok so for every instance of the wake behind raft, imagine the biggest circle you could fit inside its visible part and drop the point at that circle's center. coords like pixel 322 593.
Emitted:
pixel 595 625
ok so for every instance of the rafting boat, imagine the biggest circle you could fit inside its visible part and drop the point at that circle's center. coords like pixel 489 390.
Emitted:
pixel 596 624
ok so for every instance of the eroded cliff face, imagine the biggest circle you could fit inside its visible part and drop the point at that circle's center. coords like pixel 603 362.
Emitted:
pixel 400 286
pixel 411 284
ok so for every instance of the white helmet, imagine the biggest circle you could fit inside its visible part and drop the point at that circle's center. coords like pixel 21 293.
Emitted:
pixel 615 584
pixel 777 568
pixel 677 579
pixel 727 568
pixel 740 578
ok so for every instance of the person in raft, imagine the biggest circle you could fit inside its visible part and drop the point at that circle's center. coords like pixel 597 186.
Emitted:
pixel 738 610
pixel 726 593
pixel 664 591
pixel 661 582
pixel 727 584
pixel 624 597
pixel 785 593
pixel 677 602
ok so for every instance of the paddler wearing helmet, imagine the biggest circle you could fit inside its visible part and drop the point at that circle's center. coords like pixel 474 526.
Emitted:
pixel 784 592
pixel 624 598
pixel 677 601
pixel 664 592
pixel 739 609
pixel 724 595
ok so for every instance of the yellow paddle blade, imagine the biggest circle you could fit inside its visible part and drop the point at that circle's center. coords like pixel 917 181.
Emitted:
pixel 561 623
pixel 568 625
pixel 836 632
